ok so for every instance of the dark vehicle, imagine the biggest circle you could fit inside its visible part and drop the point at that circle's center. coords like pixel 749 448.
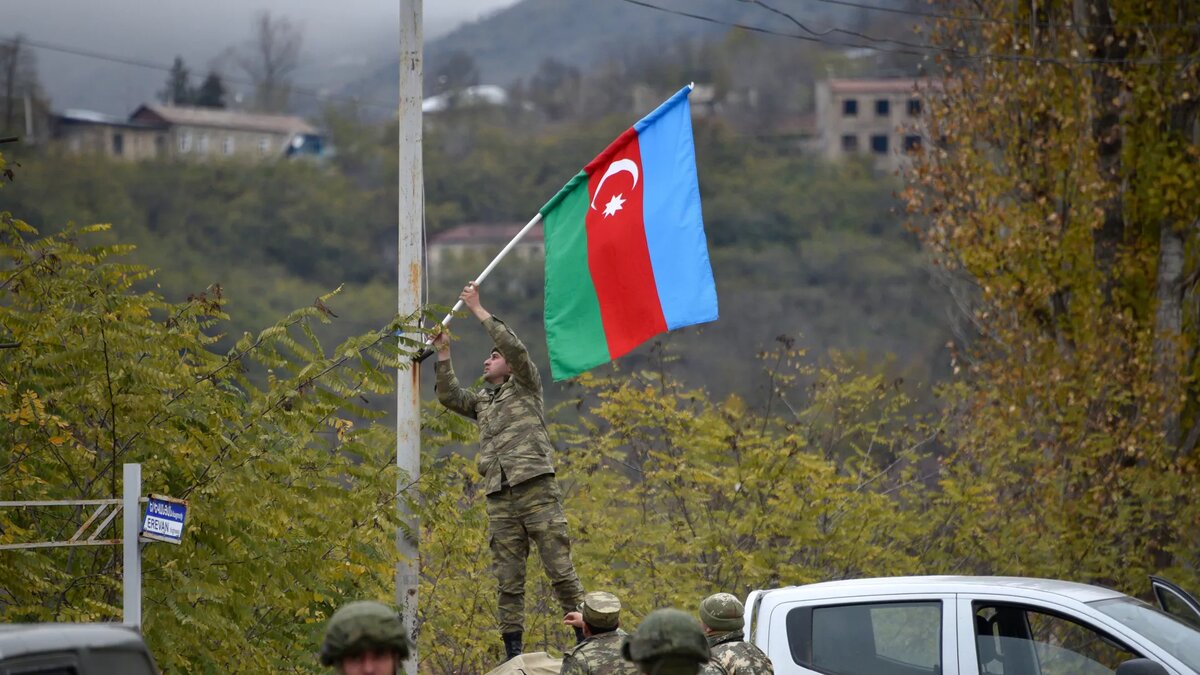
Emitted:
pixel 73 649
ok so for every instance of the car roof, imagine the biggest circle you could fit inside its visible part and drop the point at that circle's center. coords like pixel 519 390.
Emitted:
pixel 36 638
pixel 952 584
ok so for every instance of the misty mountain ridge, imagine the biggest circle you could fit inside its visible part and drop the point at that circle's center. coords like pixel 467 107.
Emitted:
pixel 510 44
pixel 506 46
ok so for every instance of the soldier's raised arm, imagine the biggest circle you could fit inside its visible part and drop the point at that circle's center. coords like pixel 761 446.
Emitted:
pixel 450 393
pixel 506 341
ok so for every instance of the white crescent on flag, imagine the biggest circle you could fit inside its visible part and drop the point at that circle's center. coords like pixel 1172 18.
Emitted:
pixel 614 169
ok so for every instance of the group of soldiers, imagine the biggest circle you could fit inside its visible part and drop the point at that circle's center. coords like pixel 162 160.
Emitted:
pixel 525 510
pixel 712 646
pixel 368 638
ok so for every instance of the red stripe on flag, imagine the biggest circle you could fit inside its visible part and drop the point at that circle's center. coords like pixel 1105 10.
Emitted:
pixel 618 256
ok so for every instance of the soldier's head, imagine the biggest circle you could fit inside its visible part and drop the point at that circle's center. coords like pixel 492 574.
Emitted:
pixel 668 642
pixel 601 613
pixel 495 368
pixel 722 613
pixel 365 638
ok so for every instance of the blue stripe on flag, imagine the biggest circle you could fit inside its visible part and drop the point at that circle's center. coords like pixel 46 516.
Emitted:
pixel 671 208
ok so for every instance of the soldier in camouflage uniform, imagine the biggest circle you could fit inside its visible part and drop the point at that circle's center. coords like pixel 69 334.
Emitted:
pixel 669 642
pixel 523 499
pixel 722 616
pixel 599 617
pixel 365 638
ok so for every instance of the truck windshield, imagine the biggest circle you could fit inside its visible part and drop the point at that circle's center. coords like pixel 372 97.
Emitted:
pixel 1174 636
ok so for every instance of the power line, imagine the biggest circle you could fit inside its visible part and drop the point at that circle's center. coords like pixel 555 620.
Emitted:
pixel 966 55
pixel 158 66
pixel 956 53
pixel 843 31
pixel 986 19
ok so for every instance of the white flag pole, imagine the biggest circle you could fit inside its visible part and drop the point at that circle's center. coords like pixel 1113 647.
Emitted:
pixel 484 275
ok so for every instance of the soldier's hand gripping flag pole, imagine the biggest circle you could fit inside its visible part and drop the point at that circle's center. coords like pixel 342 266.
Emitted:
pixel 428 350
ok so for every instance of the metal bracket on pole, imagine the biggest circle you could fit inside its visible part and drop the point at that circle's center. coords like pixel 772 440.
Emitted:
pixel 106 510
pixel 102 507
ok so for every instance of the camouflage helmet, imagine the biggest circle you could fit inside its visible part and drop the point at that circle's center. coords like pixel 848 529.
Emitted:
pixel 722 612
pixel 363 626
pixel 663 633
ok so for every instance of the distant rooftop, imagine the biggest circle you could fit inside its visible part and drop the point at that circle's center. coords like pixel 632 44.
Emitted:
pixel 486 233
pixel 78 115
pixel 480 94
pixel 225 119
pixel 892 85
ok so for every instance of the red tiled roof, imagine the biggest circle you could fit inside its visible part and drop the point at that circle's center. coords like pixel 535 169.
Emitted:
pixel 486 233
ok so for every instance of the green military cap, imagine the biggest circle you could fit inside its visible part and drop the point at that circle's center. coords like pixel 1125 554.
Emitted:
pixel 601 609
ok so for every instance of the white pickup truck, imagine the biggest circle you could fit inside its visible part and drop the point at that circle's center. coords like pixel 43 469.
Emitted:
pixel 953 625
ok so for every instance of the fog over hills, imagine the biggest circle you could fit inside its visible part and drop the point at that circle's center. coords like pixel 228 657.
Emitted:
pixel 510 43
pixel 350 48
pixel 343 41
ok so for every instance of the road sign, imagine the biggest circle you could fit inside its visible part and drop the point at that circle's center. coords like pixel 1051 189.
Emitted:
pixel 164 519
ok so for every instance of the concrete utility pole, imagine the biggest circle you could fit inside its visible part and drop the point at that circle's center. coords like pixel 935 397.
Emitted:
pixel 408 401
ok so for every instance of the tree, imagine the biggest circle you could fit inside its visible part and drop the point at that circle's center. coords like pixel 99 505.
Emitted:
pixel 458 72
pixel 671 494
pixel 178 89
pixel 292 499
pixel 18 78
pixel 1061 194
pixel 556 88
pixel 211 93
pixel 270 58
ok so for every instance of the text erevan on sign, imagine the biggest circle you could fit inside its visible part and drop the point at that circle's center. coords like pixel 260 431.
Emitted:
pixel 164 519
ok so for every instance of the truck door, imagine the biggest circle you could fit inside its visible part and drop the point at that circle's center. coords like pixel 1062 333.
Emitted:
pixel 1175 601
pixel 865 635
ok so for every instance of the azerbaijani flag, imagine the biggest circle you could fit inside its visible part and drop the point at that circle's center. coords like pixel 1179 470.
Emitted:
pixel 626 257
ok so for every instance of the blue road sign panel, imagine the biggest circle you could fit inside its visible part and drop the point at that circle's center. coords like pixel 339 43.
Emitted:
pixel 164 519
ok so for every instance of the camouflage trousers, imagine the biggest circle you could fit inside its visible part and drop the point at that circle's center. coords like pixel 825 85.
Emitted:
pixel 530 512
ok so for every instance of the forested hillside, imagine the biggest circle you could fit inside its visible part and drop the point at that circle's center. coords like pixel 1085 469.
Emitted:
pixel 799 248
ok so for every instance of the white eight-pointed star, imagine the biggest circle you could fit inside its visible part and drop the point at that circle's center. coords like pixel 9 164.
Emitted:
pixel 613 205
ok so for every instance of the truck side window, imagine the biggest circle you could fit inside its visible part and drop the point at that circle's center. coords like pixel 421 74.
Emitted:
pixel 1011 640
pixel 893 638
pixel 124 661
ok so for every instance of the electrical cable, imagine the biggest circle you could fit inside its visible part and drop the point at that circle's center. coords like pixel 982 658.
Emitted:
pixel 985 19
pixel 955 53
pixel 37 44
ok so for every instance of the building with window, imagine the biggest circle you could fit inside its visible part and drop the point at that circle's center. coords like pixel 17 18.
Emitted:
pixel 877 117
pixel 471 246
pixel 185 133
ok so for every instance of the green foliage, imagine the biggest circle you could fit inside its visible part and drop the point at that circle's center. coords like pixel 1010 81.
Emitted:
pixel 671 495
pixel 272 235
pixel 1062 199
pixel 292 508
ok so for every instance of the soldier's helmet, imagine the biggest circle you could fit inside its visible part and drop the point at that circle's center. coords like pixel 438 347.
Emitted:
pixel 666 632
pixel 722 612
pixel 360 627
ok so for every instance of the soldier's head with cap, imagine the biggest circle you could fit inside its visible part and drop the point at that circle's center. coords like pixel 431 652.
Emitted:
pixel 722 613
pixel 601 612
pixel 365 638
pixel 668 642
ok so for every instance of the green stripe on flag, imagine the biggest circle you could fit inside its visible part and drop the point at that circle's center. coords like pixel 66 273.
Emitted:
pixel 574 329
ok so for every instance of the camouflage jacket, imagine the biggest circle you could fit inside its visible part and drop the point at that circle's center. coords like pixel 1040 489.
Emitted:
pixel 738 657
pixel 598 654
pixel 513 442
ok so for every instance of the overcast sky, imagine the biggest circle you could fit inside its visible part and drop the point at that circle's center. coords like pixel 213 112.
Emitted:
pixel 158 30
